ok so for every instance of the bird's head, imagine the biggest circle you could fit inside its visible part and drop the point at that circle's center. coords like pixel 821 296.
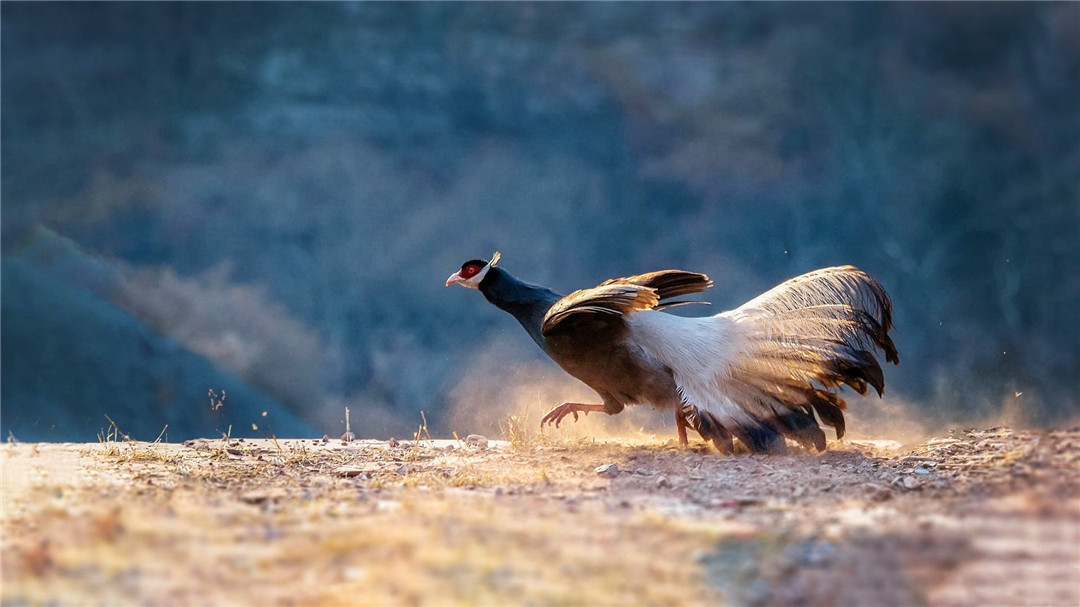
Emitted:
pixel 472 272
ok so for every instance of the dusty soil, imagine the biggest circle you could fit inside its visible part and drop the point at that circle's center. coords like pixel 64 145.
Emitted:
pixel 973 518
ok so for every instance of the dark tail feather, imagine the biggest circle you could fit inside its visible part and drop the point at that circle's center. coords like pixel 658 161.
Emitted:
pixel 799 424
pixel 830 408
pixel 858 369
pixel 709 428
pixel 879 332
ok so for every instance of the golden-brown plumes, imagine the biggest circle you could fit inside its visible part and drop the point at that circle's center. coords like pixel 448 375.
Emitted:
pixel 626 295
pixel 667 283
pixel 608 298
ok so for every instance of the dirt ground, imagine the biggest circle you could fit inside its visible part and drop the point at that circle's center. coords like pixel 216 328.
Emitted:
pixel 988 517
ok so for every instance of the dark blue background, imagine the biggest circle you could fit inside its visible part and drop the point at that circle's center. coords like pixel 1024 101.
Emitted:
pixel 266 198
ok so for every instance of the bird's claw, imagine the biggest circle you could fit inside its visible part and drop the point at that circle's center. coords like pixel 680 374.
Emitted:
pixel 558 413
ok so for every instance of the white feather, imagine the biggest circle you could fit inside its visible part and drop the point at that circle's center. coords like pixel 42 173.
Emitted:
pixel 701 353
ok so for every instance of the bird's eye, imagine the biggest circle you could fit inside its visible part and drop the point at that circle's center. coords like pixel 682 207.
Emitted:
pixel 470 271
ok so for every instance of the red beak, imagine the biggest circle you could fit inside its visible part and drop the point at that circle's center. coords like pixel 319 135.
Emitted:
pixel 455 277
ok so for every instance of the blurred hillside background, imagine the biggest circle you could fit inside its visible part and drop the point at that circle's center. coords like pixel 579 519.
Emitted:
pixel 266 198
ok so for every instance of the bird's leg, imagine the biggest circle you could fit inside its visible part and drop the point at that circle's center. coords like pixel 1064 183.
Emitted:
pixel 680 425
pixel 556 414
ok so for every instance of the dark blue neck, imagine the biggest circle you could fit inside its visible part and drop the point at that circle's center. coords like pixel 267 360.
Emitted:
pixel 525 302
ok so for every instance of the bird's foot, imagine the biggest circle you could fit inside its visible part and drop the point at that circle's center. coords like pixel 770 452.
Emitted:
pixel 558 413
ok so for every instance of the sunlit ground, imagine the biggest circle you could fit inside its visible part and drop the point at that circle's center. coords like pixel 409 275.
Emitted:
pixel 974 518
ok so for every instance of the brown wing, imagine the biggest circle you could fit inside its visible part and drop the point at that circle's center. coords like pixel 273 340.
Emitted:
pixel 609 299
pixel 667 283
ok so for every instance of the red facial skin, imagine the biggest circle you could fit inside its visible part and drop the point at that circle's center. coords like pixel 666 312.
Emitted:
pixel 464 275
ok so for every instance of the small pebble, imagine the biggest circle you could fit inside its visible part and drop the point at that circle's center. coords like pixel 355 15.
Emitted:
pixel 392 442
pixel 663 483
pixel 254 497
pixel 876 493
pixel 608 470
pixel 920 471
pixel 477 440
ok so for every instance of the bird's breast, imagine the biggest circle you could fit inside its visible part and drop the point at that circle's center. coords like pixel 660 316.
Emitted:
pixel 615 366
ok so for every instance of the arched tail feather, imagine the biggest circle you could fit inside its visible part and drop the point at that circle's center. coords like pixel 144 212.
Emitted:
pixel 798 343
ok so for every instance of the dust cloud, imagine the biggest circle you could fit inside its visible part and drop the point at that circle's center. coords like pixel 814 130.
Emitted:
pixel 504 396
pixel 891 418
pixel 506 392
pixel 911 422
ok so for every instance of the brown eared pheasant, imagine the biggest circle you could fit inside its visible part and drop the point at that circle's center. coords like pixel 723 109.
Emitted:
pixel 758 373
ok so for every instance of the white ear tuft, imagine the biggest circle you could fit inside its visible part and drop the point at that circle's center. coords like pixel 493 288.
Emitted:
pixel 474 282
